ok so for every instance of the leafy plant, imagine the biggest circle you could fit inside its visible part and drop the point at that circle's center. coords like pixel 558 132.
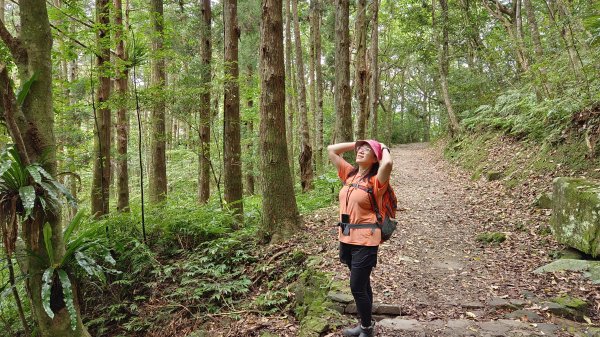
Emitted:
pixel 22 187
pixel 76 256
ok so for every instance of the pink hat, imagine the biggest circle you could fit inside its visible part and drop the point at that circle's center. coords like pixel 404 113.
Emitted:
pixel 375 146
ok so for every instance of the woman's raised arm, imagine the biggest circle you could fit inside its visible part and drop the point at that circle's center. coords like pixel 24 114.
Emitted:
pixel 334 151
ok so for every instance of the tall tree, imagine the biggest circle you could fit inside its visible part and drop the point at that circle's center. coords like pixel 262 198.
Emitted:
pixel 443 64
pixel 374 69
pixel 511 22
pixel 305 158
pixel 290 91
pixel 318 85
pixel 101 178
pixel 250 132
pixel 231 110
pixel 342 93
pixel 31 126
pixel 122 116
pixel 205 116
pixel 280 213
pixel 158 168
pixel 537 43
pixel 360 66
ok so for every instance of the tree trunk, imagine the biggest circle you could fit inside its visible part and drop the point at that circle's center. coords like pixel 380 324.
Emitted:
pixel 205 116
pixel 280 213
pixel 443 66
pixel 319 87
pixel 289 92
pixel 101 178
pixel 374 70
pixel 360 65
pixel 537 44
pixel 305 158
pixel 342 93
pixel 34 130
pixel 231 111
pixel 312 97
pixel 519 33
pixel 157 184
pixel 122 115
pixel 250 134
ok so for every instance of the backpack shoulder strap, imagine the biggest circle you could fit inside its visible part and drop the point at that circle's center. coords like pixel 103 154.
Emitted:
pixel 369 190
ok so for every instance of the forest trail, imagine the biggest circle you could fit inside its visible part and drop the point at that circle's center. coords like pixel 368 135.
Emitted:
pixel 443 279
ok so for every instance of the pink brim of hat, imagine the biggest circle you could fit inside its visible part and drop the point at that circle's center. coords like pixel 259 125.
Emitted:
pixel 375 146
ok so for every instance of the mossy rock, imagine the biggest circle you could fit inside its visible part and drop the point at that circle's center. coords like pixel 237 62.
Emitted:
pixel 575 218
pixel 316 312
pixel 494 175
pixel 544 201
pixel 572 302
pixel 491 237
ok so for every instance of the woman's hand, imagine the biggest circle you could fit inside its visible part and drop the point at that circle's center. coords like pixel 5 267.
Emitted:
pixel 385 164
pixel 334 151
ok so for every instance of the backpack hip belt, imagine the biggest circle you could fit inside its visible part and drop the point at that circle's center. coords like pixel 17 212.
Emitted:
pixel 347 226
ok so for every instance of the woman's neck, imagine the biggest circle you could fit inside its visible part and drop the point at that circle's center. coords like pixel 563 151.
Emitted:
pixel 362 170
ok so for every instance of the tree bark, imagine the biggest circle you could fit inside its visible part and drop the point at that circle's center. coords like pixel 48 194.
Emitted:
pixel 312 97
pixel 290 92
pixel 319 87
pixel 122 115
pixel 360 65
pixel 374 70
pixel 280 213
pixel 250 134
pixel 157 184
pixel 342 93
pixel 305 158
pixel 102 140
pixel 35 130
pixel 231 110
pixel 443 66
pixel 205 116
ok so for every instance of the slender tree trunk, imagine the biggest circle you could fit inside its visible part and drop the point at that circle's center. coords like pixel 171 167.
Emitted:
pixel 205 116
pixel 537 44
pixel 374 70
pixel 289 92
pixel 360 64
pixel 71 154
pixel 342 93
pixel 250 132
pixel 520 35
pixel 319 87
pixel 312 88
pixel 101 179
pixel 33 131
pixel 231 110
pixel 443 65
pixel 280 213
pixel 158 169
pixel 305 159
pixel 122 115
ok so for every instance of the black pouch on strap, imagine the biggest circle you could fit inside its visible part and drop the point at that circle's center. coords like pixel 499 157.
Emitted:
pixel 388 227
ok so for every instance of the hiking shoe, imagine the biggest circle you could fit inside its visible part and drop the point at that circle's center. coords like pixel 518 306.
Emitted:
pixel 368 331
pixel 360 331
pixel 351 332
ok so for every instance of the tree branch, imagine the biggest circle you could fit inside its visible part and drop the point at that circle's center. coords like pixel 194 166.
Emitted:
pixel 15 46
pixel 8 103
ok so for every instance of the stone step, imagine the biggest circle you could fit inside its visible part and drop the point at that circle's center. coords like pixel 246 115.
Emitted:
pixel 404 326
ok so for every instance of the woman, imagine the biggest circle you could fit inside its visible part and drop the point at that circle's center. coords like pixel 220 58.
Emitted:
pixel 358 233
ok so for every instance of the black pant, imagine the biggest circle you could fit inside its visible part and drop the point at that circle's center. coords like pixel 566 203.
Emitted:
pixel 360 260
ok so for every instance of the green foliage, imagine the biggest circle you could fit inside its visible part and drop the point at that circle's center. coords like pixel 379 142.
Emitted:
pixel 491 237
pixel 78 254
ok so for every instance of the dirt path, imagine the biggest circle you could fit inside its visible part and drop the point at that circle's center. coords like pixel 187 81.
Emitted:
pixel 437 272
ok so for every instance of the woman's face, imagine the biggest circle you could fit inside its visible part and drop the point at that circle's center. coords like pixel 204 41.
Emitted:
pixel 365 155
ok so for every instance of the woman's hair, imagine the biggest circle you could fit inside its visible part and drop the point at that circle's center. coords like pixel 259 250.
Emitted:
pixel 372 171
